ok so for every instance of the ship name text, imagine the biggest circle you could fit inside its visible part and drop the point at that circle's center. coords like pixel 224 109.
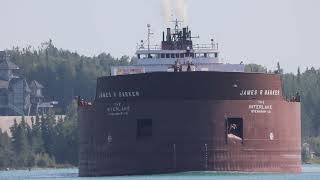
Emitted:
pixel 118 94
pixel 262 92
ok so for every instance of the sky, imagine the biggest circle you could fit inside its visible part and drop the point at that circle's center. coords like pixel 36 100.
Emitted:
pixel 252 31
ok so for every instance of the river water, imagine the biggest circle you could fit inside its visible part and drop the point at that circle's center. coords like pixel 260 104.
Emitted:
pixel 310 172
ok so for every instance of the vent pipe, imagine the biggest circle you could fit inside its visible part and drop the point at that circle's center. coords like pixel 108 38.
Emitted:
pixel 168 34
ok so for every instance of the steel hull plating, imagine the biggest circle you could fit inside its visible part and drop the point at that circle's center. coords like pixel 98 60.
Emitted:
pixel 189 132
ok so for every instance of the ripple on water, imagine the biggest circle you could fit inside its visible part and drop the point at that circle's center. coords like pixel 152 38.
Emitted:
pixel 310 172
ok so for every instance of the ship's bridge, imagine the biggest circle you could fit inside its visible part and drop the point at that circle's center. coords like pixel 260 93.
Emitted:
pixel 198 54
pixel 176 53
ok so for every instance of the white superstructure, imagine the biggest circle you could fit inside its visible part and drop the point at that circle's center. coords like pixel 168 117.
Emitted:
pixel 177 53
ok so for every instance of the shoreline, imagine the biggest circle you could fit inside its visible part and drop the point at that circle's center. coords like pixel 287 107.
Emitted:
pixel 38 168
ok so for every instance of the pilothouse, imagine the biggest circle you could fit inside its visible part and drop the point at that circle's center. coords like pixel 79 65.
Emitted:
pixel 177 53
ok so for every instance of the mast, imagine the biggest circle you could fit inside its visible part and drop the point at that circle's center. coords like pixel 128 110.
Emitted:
pixel 149 34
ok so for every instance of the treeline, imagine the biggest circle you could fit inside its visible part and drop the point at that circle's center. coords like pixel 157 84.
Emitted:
pixel 308 85
pixel 67 74
pixel 47 142
pixel 64 74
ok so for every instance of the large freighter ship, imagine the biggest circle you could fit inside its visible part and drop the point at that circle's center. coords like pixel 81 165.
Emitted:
pixel 180 109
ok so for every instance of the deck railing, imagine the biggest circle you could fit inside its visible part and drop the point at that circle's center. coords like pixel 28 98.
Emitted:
pixel 214 46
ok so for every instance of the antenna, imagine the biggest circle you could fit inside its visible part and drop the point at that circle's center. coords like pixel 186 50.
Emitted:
pixel 176 23
pixel 212 43
pixel 149 34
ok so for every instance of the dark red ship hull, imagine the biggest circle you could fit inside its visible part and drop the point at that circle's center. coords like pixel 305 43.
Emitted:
pixel 173 122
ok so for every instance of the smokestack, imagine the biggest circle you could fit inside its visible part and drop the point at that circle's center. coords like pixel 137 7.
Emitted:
pixel 184 34
pixel 168 34
pixel 163 36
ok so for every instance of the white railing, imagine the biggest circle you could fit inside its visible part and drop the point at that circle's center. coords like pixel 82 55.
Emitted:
pixel 205 46
pixel 198 60
pixel 151 47
pixel 195 47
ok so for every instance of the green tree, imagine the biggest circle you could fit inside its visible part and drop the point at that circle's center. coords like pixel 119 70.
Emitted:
pixel 48 123
pixel 21 143
pixel 37 141
pixel 6 154
pixel 66 141
pixel 255 68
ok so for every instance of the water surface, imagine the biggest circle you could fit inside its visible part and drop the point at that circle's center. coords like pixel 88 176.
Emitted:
pixel 310 172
